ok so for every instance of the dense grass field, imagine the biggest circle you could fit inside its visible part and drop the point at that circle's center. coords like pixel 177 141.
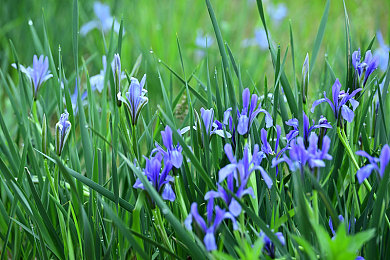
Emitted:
pixel 194 129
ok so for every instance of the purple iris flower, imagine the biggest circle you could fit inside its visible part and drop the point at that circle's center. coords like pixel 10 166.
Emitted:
pixel 341 218
pixel 366 67
pixel 38 74
pixel 62 132
pixel 160 179
pixel 247 114
pixel 172 154
pixel 242 169
pixel 73 98
pixel 307 129
pixel 212 126
pixel 209 228
pixel 339 104
pixel 299 155
pixel 135 98
pixel 382 54
pixel 103 22
pixel 269 246
pixel 383 160
pixel 237 175
pixel 266 147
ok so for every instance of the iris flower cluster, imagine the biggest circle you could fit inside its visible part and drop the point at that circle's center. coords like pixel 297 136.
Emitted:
pixel 171 156
pixel 237 175
pixel 300 155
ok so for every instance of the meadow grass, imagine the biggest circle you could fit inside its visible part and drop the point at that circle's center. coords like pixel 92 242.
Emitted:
pixel 88 170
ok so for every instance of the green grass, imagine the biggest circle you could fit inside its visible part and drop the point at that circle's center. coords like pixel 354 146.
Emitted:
pixel 82 204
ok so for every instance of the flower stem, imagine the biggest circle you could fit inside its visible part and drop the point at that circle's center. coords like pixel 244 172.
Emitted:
pixel 135 146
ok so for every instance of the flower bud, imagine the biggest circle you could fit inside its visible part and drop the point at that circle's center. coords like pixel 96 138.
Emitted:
pixel 62 132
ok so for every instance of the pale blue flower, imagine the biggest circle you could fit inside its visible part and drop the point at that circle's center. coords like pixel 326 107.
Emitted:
pixel 38 74
pixel 135 98
pixel 103 22
pixel 62 132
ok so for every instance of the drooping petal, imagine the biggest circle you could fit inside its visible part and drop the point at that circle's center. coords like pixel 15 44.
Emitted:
pixel 364 172
pixel 229 152
pixel 176 158
pixel 138 184
pixel 354 103
pixel 235 208
pixel 384 159
pixel 347 113
pixel 265 147
pixel 199 220
pixel 243 125
pixel 226 171
pixel 209 241
pixel 168 193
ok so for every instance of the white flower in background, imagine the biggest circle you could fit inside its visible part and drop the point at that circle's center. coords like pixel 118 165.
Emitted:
pixel 259 39
pixel 382 54
pixel 277 12
pixel 103 22
pixel 202 42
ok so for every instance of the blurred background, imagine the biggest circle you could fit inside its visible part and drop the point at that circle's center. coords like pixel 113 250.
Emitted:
pixel 156 25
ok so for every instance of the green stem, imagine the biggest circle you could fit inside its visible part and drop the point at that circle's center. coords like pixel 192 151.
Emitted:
pixel 135 146
pixel 344 140
pixel 160 226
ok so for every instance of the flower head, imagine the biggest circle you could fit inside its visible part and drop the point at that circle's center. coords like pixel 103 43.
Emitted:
pixel 277 12
pixel 242 169
pixel 383 160
pixel 212 126
pixel 307 128
pixel 202 42
pixel 103 22
pixel 299 155
pixel 159 179
pixel 171 153
pixel 382 54
pixel 62 132
pixel 365 67
pixel 339 104
pixel 38 74
pixel 269 246
pixel 135 98
pixel 210 226
pixel 237 176
pixel 248 113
